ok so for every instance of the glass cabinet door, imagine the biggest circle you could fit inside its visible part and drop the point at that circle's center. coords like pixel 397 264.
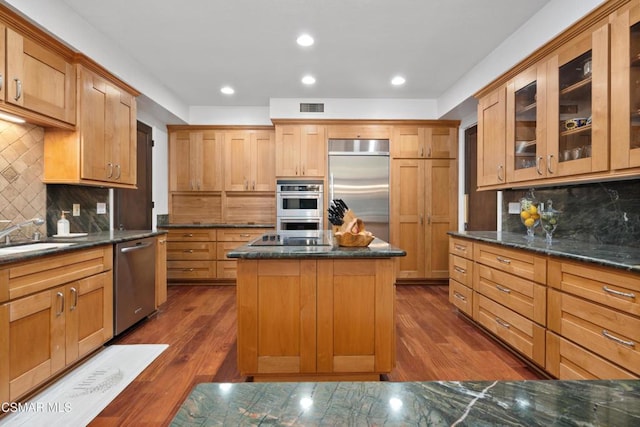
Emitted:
pixel 625 89
pixel 578 119
pixel 526 145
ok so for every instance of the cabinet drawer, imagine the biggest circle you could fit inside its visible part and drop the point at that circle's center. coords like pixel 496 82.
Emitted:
pixel 227 269
pixel 568 361
pixel 239 234
pixel 461 296
pixel 519 332
pixel 611 287
pixel 191 235
pixel 461 247
pixel 461 269
pixel 190 270
pixel 520 295
pixel 191 251
pixel 606 332
pixel 520 263
pixel 224 247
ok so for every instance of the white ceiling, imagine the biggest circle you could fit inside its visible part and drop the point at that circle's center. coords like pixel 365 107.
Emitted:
pixel 195 47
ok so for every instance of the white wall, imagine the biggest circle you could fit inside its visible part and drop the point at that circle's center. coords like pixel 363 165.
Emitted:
pixel 414 109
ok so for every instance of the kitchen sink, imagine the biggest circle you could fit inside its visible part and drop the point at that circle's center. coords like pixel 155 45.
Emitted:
pixel 29 247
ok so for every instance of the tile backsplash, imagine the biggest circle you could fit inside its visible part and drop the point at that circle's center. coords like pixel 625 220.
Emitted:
pixel 607 212
pixel 62 197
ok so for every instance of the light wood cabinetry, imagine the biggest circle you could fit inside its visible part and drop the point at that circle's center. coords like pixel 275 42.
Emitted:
pixel 461 275
pixel 423 210
pixel 249 161
pixel 348 130
pixel 315 319
pixel 301 150
pixel 58 309
pixel 424 142
pixel 196 158
pixel 492 138
pixel 102 151
pixel 200 254
pixel 161 270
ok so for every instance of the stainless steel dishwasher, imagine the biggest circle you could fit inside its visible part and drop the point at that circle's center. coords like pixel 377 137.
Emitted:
pixel 134 293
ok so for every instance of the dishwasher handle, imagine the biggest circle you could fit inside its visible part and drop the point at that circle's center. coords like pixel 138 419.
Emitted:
pixel 138 246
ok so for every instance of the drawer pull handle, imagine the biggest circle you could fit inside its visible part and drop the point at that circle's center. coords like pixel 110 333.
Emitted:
pixel 187 235
pixel 460 270
pixel 502 323
pixel 459 296
pixel 618 293
pixel 245 235
pixel 503 260
pixel 187 269
pixel 608 335
pixel 503 289
pixel 460 247
pixel 188 251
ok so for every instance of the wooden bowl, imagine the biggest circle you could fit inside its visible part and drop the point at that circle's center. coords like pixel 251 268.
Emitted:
pixel 353 240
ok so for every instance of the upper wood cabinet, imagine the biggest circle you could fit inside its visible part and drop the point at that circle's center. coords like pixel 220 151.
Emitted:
pixel 249 160
pixel 36 79
pixel 301 151
pixel 492 138
pixel 625 88
pixel 195 159
pixel 102 150
pixel 424 142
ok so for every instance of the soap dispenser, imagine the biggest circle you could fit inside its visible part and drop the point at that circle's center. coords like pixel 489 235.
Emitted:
pixel 63 225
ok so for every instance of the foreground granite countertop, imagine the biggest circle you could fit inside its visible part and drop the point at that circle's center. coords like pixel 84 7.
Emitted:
pixel 622 257
pixel 77 243
pixel 216 225
pixel 441 403
pixel 376 249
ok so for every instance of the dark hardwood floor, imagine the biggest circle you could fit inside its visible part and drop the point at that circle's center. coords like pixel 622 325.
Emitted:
pixel 198 323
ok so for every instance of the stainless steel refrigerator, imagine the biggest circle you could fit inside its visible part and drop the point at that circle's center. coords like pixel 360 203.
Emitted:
pixel 359 175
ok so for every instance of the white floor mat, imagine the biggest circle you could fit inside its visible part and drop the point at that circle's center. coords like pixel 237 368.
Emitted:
pixel 80 395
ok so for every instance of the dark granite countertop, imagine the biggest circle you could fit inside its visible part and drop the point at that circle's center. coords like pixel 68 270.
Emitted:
pixel 438 403
pixel 216 225
pixel 376 249
pixel 77 243
pixel 622 257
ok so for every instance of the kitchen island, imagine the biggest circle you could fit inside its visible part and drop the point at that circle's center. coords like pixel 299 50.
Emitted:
pixel 437 403
pixel 315 312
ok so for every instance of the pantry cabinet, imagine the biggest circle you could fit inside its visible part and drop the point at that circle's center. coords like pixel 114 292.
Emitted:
pixel 423 210
pixel 102 150
pixel 195 159
pixel 625 88
pixel 430 142
pixel 249 161
pixel 301 151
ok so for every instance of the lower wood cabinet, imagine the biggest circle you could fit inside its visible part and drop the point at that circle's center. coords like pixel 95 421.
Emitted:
pixel 161 270
pixel 60 308
pixel 303 319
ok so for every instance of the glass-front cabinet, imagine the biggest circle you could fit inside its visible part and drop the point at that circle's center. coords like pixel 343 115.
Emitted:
pixel 526 107
pixel 625 88
pixel 578 122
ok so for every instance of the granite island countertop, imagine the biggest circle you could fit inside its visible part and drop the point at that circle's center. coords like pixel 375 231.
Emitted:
pixel 77 243
pixel 377 249
pixel 622 257
pixel 437 403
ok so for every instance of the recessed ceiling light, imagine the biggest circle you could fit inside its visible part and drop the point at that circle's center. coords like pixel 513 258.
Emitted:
pixel 308 80
pixel 398 81
pixel 227 90
pixel 305 40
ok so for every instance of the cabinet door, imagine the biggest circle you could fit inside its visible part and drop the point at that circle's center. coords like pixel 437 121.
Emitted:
pixel 121 143
pixel 32 342
pixel 491 138
pixel 263 161
pixel 39 79
pixel 89 315
pixel 180 161
pixel 526 143
pixel 313 150
pixel 441 211
pixel 288 150
pixel 625 89
pixel 578 106
pixel 407 143
pixel 237 147
pixel 440 142
pixel 95 152
pixel 277 323
pixel 206 160
pixel 355 316
pixel 161 271
pixel 407 207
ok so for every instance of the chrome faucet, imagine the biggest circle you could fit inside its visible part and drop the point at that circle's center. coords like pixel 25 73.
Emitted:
pixel 7 231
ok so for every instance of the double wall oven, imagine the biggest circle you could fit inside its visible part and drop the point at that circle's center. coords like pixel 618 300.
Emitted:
pixel 300 205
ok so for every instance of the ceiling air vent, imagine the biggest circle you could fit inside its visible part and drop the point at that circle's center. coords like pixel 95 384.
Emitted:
pixel 306 107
